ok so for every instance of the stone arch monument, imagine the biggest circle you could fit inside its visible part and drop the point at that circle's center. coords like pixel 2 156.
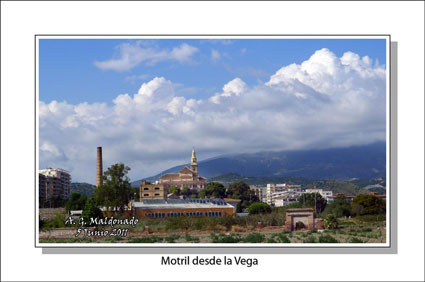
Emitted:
pixel 304 215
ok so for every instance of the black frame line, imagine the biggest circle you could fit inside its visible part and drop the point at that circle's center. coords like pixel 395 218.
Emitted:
pixel 199 246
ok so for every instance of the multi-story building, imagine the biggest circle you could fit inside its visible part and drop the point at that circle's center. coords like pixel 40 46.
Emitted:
pixel 258 191
pixel 54 183
pixel 327 195
pixel 283 198
pixel 274 190
pixel 152 191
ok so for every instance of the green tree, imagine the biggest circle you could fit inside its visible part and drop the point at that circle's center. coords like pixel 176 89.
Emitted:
pixel 339 207
pixel 189 193
pixel 367 204
pixel 241 191
pixel 214 190
pixel 313 200
pixel 259 207
pixel 174 189
pixel 330 222
pixel 115 191
pixel 76 202
pixel 134 193
pixel 91 210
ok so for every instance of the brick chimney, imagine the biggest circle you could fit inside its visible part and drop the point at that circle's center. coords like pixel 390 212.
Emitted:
pixel 99 171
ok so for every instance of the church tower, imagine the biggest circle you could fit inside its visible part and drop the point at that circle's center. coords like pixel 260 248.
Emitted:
pixel 194 163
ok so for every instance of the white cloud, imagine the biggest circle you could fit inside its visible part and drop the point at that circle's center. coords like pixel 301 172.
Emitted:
pixel 131 55
pixel 215 55
pixel 232 88
pixel 325 101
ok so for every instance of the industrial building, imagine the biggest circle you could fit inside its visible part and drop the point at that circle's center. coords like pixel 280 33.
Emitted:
pixel 152 191
pixel 157 208
pixel 54 183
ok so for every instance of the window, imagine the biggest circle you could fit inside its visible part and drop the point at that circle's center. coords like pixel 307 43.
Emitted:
pixel 145 189
pixel 146 195
pixel 156 188
pixel 156 194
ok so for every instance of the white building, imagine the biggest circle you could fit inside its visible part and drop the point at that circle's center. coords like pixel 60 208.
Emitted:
pixel 284 193
pixel 53 183
pixel 283 198
pixel 327 195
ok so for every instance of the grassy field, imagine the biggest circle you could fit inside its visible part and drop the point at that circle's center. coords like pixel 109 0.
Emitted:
pixel 363 229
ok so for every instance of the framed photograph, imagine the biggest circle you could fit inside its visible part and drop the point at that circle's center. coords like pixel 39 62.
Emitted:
pixel 245 141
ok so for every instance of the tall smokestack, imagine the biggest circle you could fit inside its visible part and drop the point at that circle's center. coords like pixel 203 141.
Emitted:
pixel 99 171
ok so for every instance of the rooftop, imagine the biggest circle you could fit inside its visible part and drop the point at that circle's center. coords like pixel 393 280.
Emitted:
pixel 53 169
pixel 181 203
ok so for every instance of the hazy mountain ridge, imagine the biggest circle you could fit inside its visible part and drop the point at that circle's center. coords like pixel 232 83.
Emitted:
pixel 364 162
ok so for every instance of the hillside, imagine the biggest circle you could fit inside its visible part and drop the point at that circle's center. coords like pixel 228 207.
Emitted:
pixel 363 162
pixel 336 186
pixel 228 178
pixel 83 188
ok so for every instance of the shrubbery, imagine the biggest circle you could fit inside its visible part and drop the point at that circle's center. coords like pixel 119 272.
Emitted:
pixel 282 238
pixel 339 207
pixel 330 222
pixel 150 239
pixel 172 238
pixel 189 238
pixel 310 239
pixel 91 211
pixel 355 240
pixel 327 239
pixel 254 238
pixel 366 204
pixel 259 207
pixel 222 238
pixel 57 222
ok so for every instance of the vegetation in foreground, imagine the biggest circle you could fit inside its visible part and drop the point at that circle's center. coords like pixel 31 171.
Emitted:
pixel 365 223
pixel 360 230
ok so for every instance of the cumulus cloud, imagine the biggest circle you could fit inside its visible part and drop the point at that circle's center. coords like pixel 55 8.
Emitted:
pixel 326 101
pixel 232 88
pixel 131 55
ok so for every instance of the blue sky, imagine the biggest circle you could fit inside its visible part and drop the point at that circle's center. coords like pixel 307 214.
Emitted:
pixel 68 72
pixel 148 102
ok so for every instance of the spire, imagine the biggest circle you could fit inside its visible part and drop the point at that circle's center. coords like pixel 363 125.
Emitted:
pixel 193 159
pixel 194 162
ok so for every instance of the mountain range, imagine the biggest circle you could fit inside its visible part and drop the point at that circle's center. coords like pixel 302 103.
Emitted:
pixel 364 162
